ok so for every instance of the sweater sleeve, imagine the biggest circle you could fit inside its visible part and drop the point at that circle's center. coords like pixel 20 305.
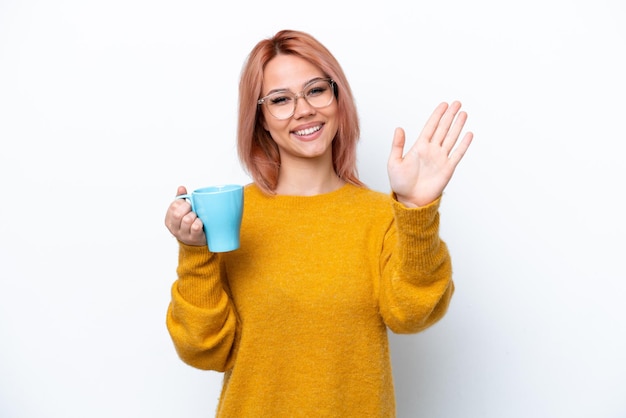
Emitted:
pixel 201 318
pixel 416 282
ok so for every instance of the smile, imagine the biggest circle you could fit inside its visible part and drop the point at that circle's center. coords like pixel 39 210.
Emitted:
pixel 308 131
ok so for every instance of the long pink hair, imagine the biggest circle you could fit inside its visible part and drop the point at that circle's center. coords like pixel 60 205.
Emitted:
pixel 257 150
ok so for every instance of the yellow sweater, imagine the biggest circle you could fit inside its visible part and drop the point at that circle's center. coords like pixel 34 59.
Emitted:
pixel 297 317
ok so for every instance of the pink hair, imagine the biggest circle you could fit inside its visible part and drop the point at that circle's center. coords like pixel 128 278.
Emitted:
pixel 258 152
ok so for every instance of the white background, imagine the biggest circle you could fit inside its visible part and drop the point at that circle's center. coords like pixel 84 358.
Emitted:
pixel 107 106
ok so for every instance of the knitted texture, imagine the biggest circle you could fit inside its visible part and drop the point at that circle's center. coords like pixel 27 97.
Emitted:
pixel 297 317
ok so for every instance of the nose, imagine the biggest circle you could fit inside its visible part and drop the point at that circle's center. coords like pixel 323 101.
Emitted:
pixel 302 107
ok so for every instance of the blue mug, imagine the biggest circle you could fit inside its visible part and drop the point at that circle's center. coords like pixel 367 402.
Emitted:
pixel 220 208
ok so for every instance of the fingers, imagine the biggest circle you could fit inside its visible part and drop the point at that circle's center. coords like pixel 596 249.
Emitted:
pixel 444 123
pixel 448 130
pixel 454 132
pixel 181 190
pixel 190 225
pixel 177 210
pixel 459 152
pixel 397 145
pixel 431 128
pixel 183 223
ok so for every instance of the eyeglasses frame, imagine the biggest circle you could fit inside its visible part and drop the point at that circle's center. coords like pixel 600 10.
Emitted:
pixel 296 96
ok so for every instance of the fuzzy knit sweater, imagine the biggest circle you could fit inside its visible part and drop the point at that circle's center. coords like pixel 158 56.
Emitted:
pixel 297 317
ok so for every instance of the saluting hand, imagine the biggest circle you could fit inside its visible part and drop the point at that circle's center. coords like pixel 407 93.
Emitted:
pixel 420 176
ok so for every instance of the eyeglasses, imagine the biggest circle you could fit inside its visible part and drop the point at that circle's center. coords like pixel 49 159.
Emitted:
pixel 318 93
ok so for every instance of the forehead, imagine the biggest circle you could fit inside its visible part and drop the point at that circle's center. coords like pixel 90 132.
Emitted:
pixel 288 72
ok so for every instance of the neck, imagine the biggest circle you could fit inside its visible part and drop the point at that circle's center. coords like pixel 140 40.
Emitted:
pixel 307 179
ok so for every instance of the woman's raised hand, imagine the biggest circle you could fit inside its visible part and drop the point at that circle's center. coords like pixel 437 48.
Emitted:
pixel 419 177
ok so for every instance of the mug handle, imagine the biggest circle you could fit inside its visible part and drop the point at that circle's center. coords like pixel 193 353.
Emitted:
pixel 187 197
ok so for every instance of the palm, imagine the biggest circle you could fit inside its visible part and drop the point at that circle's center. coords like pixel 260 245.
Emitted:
pixel 420 176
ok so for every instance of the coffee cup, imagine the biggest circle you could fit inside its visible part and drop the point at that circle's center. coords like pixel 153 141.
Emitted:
pixel 220 208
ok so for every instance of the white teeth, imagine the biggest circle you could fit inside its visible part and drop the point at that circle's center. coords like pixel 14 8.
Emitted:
pixel 308 131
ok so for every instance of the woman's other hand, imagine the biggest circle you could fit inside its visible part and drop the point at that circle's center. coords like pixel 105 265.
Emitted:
pixel 419 177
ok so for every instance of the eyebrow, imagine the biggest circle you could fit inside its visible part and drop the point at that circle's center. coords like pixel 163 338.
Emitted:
pixel 280 90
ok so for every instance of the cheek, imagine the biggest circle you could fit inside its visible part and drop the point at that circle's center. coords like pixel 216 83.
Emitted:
pixel 274 125
pixel 270 124
pixel 335 124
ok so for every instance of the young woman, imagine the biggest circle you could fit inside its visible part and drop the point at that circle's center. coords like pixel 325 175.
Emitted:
pixel 297 317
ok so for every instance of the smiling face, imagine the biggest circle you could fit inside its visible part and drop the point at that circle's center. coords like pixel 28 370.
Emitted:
pixel 309 133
